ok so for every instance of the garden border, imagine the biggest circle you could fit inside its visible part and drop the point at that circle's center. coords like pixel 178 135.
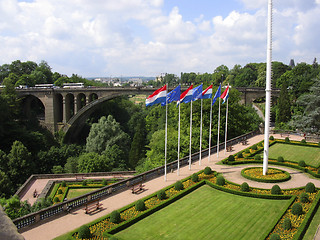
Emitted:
pixel 287 178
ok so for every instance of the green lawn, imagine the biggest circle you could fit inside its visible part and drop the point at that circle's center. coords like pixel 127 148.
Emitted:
pixel 208 213
pixel 310 155
pixel 76 192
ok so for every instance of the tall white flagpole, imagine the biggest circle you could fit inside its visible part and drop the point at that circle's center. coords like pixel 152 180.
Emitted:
pixel 268 90
pixel 166 136
pixel 190 136
pixel 218 140
pixel 210 129
pixel 178 172
pixel 226 131
pixel 200 135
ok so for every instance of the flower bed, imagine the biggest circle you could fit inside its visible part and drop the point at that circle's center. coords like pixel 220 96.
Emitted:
pixel 273 175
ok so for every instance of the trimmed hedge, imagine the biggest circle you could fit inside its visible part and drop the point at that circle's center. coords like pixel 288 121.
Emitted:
pixel 161 195
pixel 84 232
pixel 288 177
pixel 287 224
pixel 115 217
pixel 220 181
pixel 140 206
pixel 207 171
pixel 297 209
pixel 276 190
pixel 310 188
pixel 304 198
pixel 195 177
pixel 280 159
pixel 178 186
pixel 245 187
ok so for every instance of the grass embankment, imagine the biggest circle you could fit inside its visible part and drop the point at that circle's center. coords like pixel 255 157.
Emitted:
pixel 294 153
pixel 208 213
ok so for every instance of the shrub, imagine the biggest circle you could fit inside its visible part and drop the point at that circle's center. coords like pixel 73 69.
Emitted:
pixel 276 190
pixel 271 138
pixel 318 171
pixel 260 144
pixel 239 155
pixel 310 188
pixel 287 224
pixel 84 232
pixel 84 183
pixel 254 147
pixel 244 187
pixel 275 236
pixel 297 209
pixel 195 177
pixel 221 181
pixel 63 184
pixel 140 206
pixel 287 140
pixel 303 141
pixel 115 217
pixel 318 143
pixel 178 186
pixel 280 159
pixel 257 157
pixel 207 171
pixel 247 150
pixel 302 163
pixel 56 199
pixel 304 198
pixel 104 182
pixel 231 158
pixel 59 191
pixel 161 195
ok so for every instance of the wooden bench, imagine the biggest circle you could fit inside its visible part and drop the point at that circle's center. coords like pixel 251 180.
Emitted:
pixel 244 142
pixel 35 194
pixel 79 177
pixel 92 206
pixel 284 134
pixel 137 188
pixel 229 148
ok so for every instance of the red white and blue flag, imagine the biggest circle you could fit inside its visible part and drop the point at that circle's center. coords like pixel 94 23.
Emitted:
pixel 225 94
pixel 207 93
pixel 186 96
pixel 159 96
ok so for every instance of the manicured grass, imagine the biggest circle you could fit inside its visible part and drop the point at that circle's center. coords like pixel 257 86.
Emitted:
pixel 310 155
pixel 76 192
pixel 312 229
pixel 208 213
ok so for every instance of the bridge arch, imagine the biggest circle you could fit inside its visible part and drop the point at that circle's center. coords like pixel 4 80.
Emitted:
pixel 32 106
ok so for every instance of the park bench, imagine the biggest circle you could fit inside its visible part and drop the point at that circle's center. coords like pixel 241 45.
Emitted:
pixel 244 142
pixel 79 177
pixel 229 148
pixel 284 134
pixel 137 188
pixel 35 193
pixel 92 206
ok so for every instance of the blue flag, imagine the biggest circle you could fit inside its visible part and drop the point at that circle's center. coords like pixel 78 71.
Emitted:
pixel 174 95
pixel 217 95
pixel 197 92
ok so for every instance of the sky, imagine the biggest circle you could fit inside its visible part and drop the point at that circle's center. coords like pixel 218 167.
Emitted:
pixel 108 38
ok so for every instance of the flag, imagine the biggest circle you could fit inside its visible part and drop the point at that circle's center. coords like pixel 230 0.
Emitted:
pixel 207 93
pixel 186 96
pixel 225 94
pixel 217 95
pixel 174 95
pixel 159 96
pixel 196 92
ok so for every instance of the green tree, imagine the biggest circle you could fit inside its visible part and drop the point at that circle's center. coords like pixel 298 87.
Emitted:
pixel 137 150
pixel 91 162
pixel 283 113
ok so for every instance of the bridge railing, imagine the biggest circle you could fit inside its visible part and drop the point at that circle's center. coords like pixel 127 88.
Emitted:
pixel 122 185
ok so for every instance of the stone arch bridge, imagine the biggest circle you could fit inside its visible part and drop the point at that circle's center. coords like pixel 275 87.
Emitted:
pixel 68 109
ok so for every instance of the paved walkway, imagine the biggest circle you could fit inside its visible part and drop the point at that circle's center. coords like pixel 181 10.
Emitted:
pixel 60 225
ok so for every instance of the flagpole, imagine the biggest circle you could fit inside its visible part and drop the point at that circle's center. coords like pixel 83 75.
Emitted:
pixel 210 129
pixel 190 136
pixel 218 140
pixel 166 136
pixel 200 135
pixel 225 136
pixel 178 172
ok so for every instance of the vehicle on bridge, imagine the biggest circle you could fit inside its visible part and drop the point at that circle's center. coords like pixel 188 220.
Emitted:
pixel 73 85
pixel 44 85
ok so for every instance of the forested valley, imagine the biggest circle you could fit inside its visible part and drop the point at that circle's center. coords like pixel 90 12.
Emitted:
pixel 125 135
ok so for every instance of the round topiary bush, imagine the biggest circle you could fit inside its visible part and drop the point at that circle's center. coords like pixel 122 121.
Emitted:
pixel 247 150
pixel 161 195
pixel 297 209
pixel 56 199
pixel 221 181
pixel 260 144
pixel 302 163
pixel 280 159
pixel 303 141
pixel 115 217
pixel 140 206
pixel 84 183
pixel 254 147
pixel 275 236
pixel 178 186
pixel 310 188
pixel 104 182
pixel 271 138
pixel 231 158
pixel 63 184
pixel 287 224
pixel 276 190
pixel 287 140
pixel 84 232
pixel 257 157
pixel 207 171
pixel 244 187
pixel 304 198
pixel 240 155
pixel 59 191
pixel 195 177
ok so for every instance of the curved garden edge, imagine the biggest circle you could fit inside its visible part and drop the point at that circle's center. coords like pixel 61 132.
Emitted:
pixel 286 178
